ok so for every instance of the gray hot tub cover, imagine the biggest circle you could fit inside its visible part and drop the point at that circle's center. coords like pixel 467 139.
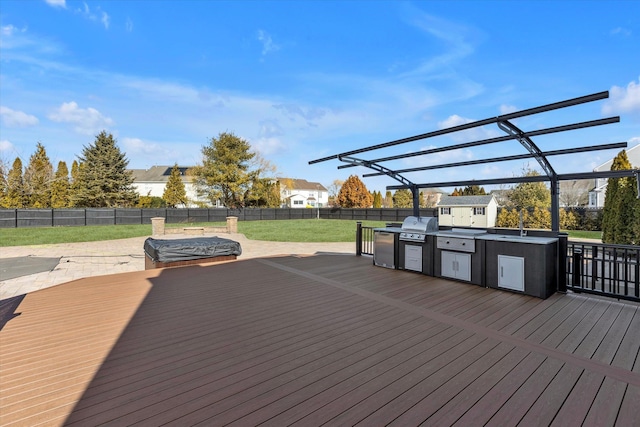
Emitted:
pixel 189 249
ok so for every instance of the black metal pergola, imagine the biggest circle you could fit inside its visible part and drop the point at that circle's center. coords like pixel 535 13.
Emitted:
pixel 504 122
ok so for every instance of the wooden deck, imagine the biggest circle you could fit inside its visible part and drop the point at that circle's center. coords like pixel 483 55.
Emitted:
pixel 327 339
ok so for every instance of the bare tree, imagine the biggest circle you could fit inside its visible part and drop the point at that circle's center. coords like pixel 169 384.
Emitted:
pixel 575 193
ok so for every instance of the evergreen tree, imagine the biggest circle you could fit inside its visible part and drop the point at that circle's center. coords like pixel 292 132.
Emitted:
pixel 354 194
pixel 14 198
pixel 38 177
pixel 377 199
pixel 73 184
pixel 224 174
pixel 403 199
pixel 619 220
pixel 103 179
pixel 508 218
pixel 60 188
pixel 473 190
pixel 388 200
pixel 174 192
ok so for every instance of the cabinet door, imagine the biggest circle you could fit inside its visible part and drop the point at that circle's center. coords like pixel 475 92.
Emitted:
pixel 448 264
pixel 511 272
pixel 463 267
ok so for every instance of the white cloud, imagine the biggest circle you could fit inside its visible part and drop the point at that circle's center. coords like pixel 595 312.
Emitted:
pixel 16 118
pixel 88 121
pixel 623 100
pixel 138 146
pixel 57 3
pixel 267 146
pixel 458 40
pixel 5 145
pixel 621 31
pixel 10 30
pixel 87 13
pixel 469 135
pixel 268 45
pixel 105 19
pixel 506 109
pixel 128 25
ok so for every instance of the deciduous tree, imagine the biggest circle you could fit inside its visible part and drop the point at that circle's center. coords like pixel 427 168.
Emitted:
pixel 38 177
pixel 529 195
pixel 265 188
pixel 224 172
pixel 103 179
pixel 354 194
pixel 3 181
pixel 175 193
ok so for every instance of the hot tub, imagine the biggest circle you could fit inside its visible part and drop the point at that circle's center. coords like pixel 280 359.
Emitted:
pixel 178 252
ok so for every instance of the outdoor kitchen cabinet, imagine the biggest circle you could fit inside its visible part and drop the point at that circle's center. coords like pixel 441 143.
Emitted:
pixel 527 266
pixel 456 265
pixel 416 256
pixel 467 267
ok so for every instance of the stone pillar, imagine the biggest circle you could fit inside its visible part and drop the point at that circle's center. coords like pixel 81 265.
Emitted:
pixel 232 224
pixel 157 226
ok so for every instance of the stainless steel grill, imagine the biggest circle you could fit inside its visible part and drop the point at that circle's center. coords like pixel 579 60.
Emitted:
pixel 415 228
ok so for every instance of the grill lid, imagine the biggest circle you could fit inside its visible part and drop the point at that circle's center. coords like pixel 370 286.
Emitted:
pixel 420 224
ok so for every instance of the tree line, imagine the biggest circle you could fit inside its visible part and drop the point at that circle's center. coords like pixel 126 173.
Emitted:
pixel 230 173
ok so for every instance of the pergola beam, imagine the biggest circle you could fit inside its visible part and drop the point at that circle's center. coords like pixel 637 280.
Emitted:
pixel 507 158
pixel 574 126
pixel 514 115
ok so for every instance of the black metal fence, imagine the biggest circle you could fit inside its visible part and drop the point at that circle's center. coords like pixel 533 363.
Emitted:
pixel 604 269
pixel 13 218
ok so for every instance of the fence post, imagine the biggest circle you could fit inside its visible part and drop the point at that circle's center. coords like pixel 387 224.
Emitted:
pixel 577 267
pixel 157 226
pixel 358 238
pixel 232 224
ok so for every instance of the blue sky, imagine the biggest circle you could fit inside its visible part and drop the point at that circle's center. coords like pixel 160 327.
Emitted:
pixel 302 80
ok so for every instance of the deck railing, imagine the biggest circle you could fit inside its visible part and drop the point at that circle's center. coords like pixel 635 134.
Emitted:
pixel 604 269
pixel 595 268
pixel 364 240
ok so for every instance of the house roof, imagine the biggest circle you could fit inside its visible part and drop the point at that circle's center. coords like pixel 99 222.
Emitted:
pixel 465 200
pixel 301 184
pixel 159 174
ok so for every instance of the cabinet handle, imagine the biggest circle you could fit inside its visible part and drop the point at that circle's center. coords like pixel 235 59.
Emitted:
pixel 501 271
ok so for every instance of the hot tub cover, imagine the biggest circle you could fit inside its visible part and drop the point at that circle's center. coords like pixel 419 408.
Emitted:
pixel 188 249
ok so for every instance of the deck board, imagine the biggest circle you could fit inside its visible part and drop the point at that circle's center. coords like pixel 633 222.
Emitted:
pixel 312 340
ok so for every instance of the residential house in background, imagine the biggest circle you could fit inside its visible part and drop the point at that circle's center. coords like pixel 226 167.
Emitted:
pixel 152 181
pixel 468 211
pixel 300 193
pixel 597 194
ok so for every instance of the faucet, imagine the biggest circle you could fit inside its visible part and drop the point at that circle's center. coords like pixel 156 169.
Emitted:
pixel 523 232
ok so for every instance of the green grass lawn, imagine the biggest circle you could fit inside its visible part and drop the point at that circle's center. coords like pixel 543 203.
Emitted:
pixel 295 230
